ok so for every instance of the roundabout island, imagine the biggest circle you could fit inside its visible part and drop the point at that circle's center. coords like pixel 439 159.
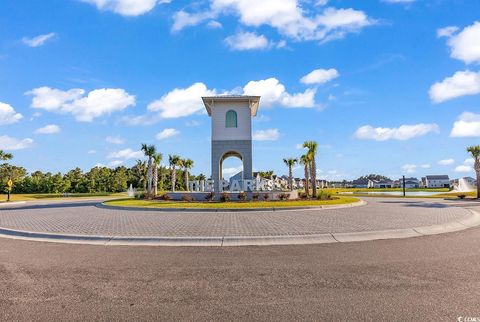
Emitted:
pixel 93 222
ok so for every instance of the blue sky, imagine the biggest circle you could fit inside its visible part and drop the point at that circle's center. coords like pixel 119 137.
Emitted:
pixel 384 86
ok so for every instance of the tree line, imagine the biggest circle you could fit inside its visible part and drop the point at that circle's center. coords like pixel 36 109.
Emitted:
pixel 101 179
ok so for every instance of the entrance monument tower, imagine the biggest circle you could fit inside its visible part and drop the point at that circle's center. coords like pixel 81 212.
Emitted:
pixel 231 132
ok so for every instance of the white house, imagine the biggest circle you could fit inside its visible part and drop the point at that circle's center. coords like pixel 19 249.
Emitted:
pixel 410 183
pixel 437 181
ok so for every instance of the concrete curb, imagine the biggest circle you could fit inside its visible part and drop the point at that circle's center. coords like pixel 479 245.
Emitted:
pixel 462 224
pixel 12 203
pixel 355 204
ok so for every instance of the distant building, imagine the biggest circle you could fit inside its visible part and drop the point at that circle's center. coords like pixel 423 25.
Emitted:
pixel 361 183
pixel 410 183
pixel 436 181
pixel 381 184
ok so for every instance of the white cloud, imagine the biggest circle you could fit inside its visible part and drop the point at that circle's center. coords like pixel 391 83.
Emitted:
pixel 115 163
pixel 38 40
pixel 96 103
pixel 48 129
pixel 465 45
pixel 8 114
pixel 229 172
pixel 404 132
pixel 462 83
pixel 320 76
pixel 91 152
pixel 266 135
pixel 274 93
pixel 126 154
pixel 192 123
pixel 126 7
pixel 447 31
pixel 114 140
pixel 181 101
pixel 9 143
pixel 463 168
pixel 214 24
pixel 409 168
pixel 467 125
pixel 167 133
pixel 286 16
pixel 247 41
pixel 425 166
pixel 467 166
pixel 446 162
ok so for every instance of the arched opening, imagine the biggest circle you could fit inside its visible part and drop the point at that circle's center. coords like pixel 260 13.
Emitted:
pixel 231 169
pixel 231 119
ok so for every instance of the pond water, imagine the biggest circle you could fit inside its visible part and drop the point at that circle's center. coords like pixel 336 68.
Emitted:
pixel 397 193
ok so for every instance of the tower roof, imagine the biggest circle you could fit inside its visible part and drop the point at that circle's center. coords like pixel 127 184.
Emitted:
pixel 253 101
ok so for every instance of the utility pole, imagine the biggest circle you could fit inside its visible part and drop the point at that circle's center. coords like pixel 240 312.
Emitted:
pixel 404 194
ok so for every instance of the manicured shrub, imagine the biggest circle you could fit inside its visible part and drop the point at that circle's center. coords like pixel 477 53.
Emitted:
pixel 166 197
pixel 302 195
pixel 242 196
pixel 283 196
pixel 462 196
pixel 187 197
pixel 323 195
pixel 140 195
pixel 266 196
pixel 210 196
pixel 255 196
pixel 224 197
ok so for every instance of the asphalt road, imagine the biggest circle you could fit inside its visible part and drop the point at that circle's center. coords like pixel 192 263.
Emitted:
pixel 426 278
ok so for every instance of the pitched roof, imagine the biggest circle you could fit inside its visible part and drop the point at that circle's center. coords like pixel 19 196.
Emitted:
pixel 438 177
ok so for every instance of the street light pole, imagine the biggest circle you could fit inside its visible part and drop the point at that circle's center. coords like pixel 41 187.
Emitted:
pixel 404 194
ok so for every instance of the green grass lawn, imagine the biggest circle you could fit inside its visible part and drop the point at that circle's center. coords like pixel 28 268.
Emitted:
pixel 46 196
pixel 224 205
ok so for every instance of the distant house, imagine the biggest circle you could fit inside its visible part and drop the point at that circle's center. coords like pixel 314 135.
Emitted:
pixel 410 183
pixel 383 184
pixel 360 183
pixel 437 181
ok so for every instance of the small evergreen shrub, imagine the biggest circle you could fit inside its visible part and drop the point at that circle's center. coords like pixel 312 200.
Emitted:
pixel 255 196
pixel 242 196
pixel 210 196
pixel 224 197
pixel 187 198
pixel 283 196
pixel 462 196
pixel 266 196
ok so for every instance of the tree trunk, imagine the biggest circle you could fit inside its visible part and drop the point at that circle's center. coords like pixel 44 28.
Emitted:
pixel 290 178
pixel 186 180
pixel 313 171
pixel 155 181
pixel 174 177
pixel 477 171
pixel 149 177
pixel 306 186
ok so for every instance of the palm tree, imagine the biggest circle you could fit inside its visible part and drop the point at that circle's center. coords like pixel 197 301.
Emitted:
pixel 290 163
pixel 305 160
pixel 174 161
pixel 140 172
pixel 312 147
pixel 475 152
pixel 5 156
pixel 149 151
pixel 187 165
pixel 157 158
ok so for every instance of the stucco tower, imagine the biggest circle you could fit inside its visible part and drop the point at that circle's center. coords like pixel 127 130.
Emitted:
pixel 231 132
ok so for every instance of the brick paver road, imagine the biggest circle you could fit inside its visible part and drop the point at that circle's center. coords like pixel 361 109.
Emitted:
pixel 84 218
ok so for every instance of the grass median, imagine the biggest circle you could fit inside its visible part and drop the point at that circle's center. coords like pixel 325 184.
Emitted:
pixel 231 204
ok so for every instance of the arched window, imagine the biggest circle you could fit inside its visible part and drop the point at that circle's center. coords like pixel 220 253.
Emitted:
pixel 231 119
